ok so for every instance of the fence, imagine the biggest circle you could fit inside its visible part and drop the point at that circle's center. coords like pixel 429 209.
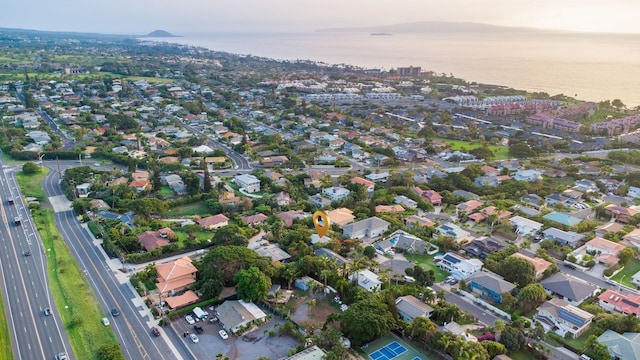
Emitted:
pixel 484 304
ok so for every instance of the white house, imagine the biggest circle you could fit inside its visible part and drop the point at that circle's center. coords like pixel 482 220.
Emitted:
pixel 248 182
pixel 336 193
pixel 527 175
pixel 371 227
pixel 367 280
pixel 458 266
pixel 634 192
pixel 409 307
pixel 563 318
pixel 525 226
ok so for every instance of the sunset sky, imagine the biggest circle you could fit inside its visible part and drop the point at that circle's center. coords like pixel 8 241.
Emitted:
pixel 142 16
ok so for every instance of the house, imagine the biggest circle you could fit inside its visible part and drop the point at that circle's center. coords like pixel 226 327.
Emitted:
pixel 319 201
pixel 248 182
pixel 255 219
pixel 608 228
pixel 531 200
pixel 468 207
pixel 288 216
pixel 234 315
pixel 556 198
pixel 562 318
pixel 634 192
pixel 214 222
pixel 562 218
pixel 305 283
pixel 369 185
pixel 458 266
pixel 371 227
pixel 336 193
pixel 320 252
pixel 310 353
pixel 483 246
pixel 586 186
pixel 378 177
pixel 613 301
pixel 487 180
pixel 430 196
pixel 83 190
pixel 140 185
pixel 152 240
pixel 539 264
pixel 408 243
pixel 341 216
pixel 619 213
pixel 283 199
pixel 389 208
pixel 605 251
pixel 490 286
pixel 409 307
pixel 140 175
pixel 527 175
pixel 98 205
pixel 568 238
pixel 175 276
pixel 452 230
pixel 524 226
pixel 274 252
pixel 467 195
pixel 625 346
pixel 405 201
pixel 415 220
pixel 367 280
pixel 569 289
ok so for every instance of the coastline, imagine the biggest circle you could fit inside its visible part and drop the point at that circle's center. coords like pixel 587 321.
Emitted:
pixel 576 65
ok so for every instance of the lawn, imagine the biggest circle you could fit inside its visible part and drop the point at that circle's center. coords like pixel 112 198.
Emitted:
pixel 5 339
pixel 200 235
pixel 500 152
pixel 427 263
pixel 626 273
pixel 31 185
pixel 522 355
pixel 198 208
pixel 578 343
pixel 76 303
pixel 165 191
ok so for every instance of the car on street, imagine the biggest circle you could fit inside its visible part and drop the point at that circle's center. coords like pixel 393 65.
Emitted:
pixel 189 319
pixel 115 312
pixel 105 322
pixel 10 201
pixel 17 220
pixel 223 334
pixel 27 253
pixel 155 331
pixel 213 319
pixel 194 338
pixel 47 311
pixel 62 356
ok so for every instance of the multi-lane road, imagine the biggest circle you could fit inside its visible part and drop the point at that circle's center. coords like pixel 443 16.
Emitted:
pixel 132 327
pixel 24 279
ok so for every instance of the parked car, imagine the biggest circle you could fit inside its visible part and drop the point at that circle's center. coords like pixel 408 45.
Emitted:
pixel 189 319
pixel 105 322
pixel 213 319
pixel 198 328
pixel 155 331
pixel 223 334
pixel 194 338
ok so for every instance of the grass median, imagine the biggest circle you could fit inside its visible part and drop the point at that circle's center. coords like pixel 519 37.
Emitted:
pixel 76 303
pixel 6 351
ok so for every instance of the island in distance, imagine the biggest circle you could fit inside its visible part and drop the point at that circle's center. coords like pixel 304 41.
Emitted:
pixel 160 33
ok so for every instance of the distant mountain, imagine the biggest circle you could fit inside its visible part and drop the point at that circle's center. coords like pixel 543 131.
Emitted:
pixel 160 33
pixel 432 27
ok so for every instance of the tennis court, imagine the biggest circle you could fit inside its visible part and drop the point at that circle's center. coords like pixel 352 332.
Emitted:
pixel 391 347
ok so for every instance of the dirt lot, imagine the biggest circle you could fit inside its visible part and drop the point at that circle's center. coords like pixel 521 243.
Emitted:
pixel 313 315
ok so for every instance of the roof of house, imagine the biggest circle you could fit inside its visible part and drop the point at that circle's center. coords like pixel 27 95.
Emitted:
pixel 628 304
pixel 151 240
pixel 331 255
pixel 212 220
pixel 520 221
pixel 389 208
pixel 289 216
pixel 610 227
pixel 341 216
pixel 174 302
pixel 563 310
pixel 233 313
pixel 412 306
pixel 274 252
pixel 369 223
pixel 621 346
pixel 605 245
pixel 569 236
pixel 492 282
pixel 365 182
pixel 572 289
pixel 539 264
pixel 255 218
pixel 421 220
pixel 310 353
pixel 562 218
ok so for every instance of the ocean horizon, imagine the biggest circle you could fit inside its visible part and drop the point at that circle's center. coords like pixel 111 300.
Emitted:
pixel 590 67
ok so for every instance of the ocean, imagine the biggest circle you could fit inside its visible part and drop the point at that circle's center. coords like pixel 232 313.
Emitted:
pixel 591 67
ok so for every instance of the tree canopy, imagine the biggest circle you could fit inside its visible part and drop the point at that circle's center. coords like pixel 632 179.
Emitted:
pixel 366 319
pixel 253 285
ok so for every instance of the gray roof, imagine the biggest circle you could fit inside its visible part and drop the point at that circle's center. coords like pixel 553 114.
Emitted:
pixel 369 223
pixel 492 282
pixel 232 314
pixel 573 290
pixel 623 346
pixel 412 306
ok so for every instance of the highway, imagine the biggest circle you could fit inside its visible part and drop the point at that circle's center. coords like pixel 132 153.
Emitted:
pixel 132 327
pixel 24 280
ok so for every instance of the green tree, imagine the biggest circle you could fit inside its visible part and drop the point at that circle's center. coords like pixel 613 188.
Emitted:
pixel 627 254
pixel 512 338
pixel 517 271
pixel 521 150
pixel 531 296
pixel 253 285
pixel 29 168
pixel 369 252
pixel 366 319
pixel 109 352
pixel 494 348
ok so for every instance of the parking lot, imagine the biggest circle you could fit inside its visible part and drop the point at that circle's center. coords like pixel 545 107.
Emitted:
pixel 251 345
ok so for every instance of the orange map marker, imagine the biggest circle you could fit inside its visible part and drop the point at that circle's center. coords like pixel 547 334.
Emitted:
pixel 321 228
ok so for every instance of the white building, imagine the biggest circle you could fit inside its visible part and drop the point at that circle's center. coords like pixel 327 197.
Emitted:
pixel 336 193
pixel 525 226
pixel 562 318
pixel 458 266
pixel 248 182
pixel 367 280
pixel 634 192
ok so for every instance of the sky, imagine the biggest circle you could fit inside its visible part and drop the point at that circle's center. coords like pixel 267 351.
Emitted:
pixel 189 16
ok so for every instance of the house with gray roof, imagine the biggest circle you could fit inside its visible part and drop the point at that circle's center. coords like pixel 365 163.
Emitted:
pixel 625 346
pixel 569 289
pixel 331 255
pixel 490 286
pixel 524 226
pixel 274 252
pixel 234 315
pixel 371 227
pixel 568 238
pixel 409 307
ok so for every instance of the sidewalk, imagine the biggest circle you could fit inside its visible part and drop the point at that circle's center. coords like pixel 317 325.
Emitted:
pixel 115 265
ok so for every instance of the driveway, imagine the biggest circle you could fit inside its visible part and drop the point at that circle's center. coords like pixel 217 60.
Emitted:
pixel 251 345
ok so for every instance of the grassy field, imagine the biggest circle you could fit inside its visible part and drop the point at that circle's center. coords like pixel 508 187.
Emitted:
pixel 199 208
pixel 5 342
pixel 500 152
pixel 522 355
pixel 76 303
pixel 200 235
pixel 427 263
pixel 165 191
pixel 31 184
pixel 626 273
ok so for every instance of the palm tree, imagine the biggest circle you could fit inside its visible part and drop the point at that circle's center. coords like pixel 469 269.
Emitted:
pixel 445 342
